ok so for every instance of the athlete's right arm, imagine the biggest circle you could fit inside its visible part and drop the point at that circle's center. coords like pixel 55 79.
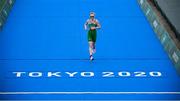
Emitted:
pixel 85 25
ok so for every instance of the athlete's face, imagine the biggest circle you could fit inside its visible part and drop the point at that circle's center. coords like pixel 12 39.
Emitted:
pixel 92 17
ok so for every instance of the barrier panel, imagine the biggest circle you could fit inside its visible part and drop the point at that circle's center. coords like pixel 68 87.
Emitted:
pixel 5 8
pixel 162 33
pixel 168 9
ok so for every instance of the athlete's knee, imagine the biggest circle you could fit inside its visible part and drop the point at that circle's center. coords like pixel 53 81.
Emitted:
pixel 91 44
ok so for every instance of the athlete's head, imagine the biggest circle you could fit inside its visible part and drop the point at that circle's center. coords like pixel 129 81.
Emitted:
pixel 92 15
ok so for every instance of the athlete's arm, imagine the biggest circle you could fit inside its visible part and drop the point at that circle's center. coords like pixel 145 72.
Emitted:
pixel 98 25
pixel 85 25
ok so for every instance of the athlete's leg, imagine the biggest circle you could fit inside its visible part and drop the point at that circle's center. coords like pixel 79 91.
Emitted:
pixel 94 47
pixel 94 40
pixel 90 48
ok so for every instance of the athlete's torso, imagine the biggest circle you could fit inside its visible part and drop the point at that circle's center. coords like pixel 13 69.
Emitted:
pixel 92 23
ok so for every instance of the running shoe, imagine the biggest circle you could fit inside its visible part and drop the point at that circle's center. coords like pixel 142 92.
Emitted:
pixel 91 58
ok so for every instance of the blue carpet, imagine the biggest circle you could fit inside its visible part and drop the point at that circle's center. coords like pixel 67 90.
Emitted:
pixel 43 36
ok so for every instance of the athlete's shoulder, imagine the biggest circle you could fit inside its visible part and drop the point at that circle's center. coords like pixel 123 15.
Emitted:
pixel 88 20
pixel 96 20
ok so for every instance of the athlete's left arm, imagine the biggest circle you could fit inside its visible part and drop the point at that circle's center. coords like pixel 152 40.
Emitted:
pixel 98 25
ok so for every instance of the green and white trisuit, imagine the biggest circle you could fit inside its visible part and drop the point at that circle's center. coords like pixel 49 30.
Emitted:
pixel 92 34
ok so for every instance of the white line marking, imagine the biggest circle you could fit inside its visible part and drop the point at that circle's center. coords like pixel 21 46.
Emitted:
pixel 89 100
pixel 74 93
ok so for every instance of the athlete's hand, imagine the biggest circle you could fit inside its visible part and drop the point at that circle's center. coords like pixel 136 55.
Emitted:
pixel 93 28
pixel 85 28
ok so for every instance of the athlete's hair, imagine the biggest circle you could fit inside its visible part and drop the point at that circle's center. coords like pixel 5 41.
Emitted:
pixel 92 14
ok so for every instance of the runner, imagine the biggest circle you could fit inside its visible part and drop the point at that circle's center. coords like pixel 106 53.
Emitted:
pixel 92 25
